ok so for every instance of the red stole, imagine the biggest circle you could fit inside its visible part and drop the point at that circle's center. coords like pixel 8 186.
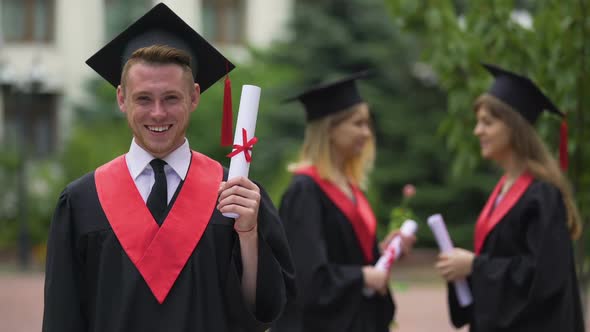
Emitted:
pixel 490 216
pixel 361 215
pixel 159 253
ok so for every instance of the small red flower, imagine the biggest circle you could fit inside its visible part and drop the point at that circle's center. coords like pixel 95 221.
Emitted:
pixel 409 190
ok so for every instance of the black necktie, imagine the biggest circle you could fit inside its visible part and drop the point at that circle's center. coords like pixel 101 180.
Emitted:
pixel 157 201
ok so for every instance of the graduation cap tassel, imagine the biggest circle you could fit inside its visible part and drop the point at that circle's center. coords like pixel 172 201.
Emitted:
pixel 227 120
pixel 563 153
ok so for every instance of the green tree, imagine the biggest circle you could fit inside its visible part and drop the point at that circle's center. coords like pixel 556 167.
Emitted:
pixel 331 38
pixel 554 50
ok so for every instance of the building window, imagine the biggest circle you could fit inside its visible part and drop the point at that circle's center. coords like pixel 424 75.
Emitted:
pixel 27 20
pixel 121 13
pixel 40 122
pixel 223 21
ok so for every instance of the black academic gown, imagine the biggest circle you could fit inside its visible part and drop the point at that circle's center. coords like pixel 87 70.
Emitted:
pixel 92 284
pixel 328 262
pixel 524 277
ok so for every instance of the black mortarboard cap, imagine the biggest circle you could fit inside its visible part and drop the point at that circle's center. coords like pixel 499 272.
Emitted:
pixel 161 26
pixel 527 99
pixel 519 92
pixel 330 97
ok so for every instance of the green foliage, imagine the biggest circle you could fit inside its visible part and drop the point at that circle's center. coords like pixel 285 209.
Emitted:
pixel 43 180
pixel 99 133
pixel 554 51
pixel 398 215
pixel 332 38
pixel 403 212
pixel 8 198
pixel 45 183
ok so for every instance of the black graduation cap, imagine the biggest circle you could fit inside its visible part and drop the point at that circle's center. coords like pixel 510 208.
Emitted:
pixel 161 26
pixel 527 99
pixel 519 92
pixel 327 98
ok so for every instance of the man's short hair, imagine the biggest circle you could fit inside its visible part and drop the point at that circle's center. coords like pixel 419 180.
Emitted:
pixel 158 55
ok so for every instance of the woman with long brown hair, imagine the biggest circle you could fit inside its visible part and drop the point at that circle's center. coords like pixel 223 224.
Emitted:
pixel 329 223
pixel 522 271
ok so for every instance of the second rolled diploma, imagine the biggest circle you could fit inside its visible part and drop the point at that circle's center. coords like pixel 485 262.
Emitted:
pixel 439 229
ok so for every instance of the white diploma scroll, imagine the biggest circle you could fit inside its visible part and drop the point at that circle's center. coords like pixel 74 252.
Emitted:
pixel 246 124
pixel 393 250
pixel 437 225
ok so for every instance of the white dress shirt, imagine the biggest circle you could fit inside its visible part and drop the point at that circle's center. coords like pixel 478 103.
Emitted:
pixel 138 162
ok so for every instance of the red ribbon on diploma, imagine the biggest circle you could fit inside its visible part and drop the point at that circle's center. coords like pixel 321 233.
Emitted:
pixel 246 147
pixel 391 259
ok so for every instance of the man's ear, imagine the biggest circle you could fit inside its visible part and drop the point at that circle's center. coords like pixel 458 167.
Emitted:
pixel 195 97
pixel 121 99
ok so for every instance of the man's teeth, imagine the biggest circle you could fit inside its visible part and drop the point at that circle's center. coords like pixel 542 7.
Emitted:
pixel 158 128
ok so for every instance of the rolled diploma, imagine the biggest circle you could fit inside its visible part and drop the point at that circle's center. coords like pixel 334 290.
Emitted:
pixel 437 225
pixel 393 250
pixel 247 114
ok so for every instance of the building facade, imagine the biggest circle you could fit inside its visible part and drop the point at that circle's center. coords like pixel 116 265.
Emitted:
pixel 44 43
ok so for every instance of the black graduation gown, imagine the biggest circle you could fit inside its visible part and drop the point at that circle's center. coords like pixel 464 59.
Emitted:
pixel 524 278
pixel 328 261
pixel 92 285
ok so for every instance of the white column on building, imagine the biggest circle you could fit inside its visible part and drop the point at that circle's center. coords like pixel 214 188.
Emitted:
pixel 79 33
pixel 198 15
pixel 80 27
pixel 267 21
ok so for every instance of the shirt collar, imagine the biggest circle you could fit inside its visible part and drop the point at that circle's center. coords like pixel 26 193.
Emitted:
pixel 138 159
pixel 180 159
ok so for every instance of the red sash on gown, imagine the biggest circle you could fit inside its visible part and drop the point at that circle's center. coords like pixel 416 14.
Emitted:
pixel 490 216
pixel 360 215
pixel 159 253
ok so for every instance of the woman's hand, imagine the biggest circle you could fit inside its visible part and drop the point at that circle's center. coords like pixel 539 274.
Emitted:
pixel 375 279
pixel 456 264
pixel 407 242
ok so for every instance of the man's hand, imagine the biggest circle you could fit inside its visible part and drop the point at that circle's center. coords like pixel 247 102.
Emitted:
pixel 456 264
pixel 241 196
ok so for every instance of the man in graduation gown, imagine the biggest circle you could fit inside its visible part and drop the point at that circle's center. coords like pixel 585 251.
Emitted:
pixel 141 244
